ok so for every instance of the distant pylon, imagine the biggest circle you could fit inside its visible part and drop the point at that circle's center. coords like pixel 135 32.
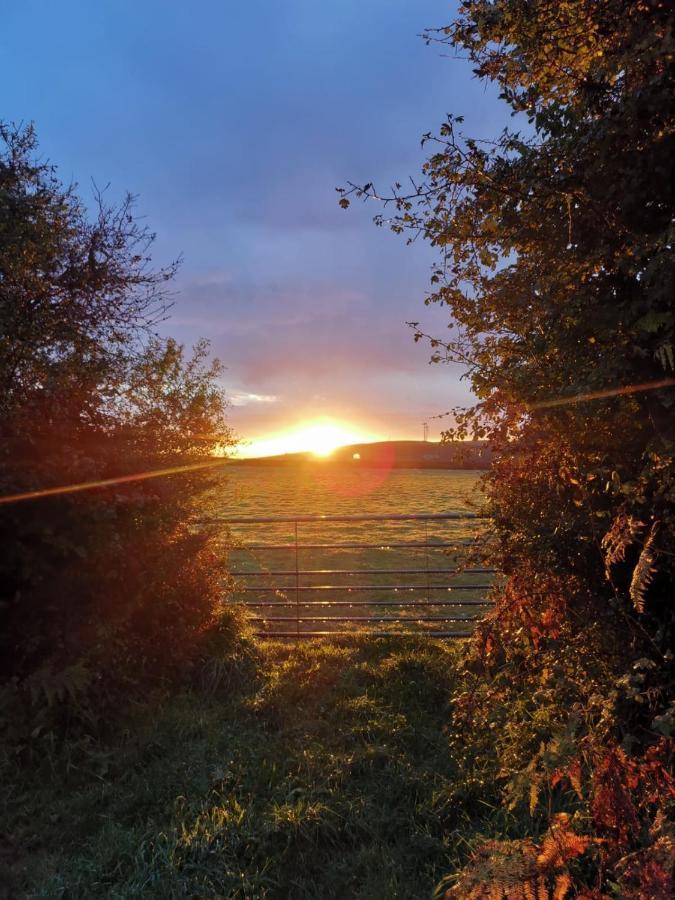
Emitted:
pixel 426 430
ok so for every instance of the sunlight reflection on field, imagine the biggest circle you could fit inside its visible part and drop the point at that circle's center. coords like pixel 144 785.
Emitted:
pixel 324 489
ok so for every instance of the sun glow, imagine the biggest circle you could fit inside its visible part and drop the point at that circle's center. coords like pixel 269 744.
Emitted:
pixel 320 438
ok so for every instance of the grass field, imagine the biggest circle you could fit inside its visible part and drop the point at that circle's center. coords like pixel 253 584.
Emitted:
pixel 316 771
pixel 395 575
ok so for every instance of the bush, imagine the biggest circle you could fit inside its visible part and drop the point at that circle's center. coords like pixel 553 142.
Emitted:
pixel 108 436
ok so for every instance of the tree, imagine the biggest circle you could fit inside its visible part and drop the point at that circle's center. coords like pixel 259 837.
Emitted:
pixel 556 263
pixel 557 266
pixel 109 579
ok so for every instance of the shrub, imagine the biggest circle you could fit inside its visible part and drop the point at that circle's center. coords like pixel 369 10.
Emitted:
pixel 104 586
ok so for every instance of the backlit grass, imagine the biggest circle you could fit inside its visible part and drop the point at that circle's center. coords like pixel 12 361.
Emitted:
pixel 319 771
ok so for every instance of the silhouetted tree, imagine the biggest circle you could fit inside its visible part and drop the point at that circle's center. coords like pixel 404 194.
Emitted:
pixel 110 578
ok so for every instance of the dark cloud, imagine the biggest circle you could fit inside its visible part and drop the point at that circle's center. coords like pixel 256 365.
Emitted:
pixel 271 331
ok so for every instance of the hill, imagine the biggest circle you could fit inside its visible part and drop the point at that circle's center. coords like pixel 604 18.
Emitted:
pixel 392 454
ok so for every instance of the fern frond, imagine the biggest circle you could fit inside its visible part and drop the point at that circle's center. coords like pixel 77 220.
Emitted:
pixel 521 870
pixel 50 687
pixel 574 774
pixel 529 892
pixel 622 534
pixel 551 853
pixel 562 885
pixel 644 571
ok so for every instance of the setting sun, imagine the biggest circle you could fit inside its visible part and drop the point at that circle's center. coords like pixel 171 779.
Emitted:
pixel 320 437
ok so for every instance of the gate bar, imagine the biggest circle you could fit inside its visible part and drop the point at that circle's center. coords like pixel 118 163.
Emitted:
pixel 382 545
pixel 365 619
pixel 401 609
pixel 364 571
pixel 368 587
pixel 269 635
pixel 405 603
pixel 398 517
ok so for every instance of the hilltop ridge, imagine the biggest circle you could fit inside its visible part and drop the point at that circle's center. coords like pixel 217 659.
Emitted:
pixel 392 454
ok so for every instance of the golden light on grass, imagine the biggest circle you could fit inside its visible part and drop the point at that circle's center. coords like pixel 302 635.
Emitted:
pixel 319 437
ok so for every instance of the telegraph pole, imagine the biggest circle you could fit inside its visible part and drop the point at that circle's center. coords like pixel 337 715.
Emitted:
pixel 425 426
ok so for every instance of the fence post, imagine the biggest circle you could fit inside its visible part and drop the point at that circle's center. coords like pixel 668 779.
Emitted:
pixel 297 584
pixel 426 555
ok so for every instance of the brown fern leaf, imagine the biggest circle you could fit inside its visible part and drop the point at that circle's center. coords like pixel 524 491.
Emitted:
pixel 516 892
pixel 529 891
pixel 574 775
pixel 621 535
pixel 550 856
pixel 575 844
pixel 558 847
pixel 562 885
pixel 615 777
pixel 519 870
pixel 644 571
pixel 498 869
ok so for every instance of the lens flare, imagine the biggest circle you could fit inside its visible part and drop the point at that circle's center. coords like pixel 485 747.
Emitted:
pixel 106 482
pixel 609 392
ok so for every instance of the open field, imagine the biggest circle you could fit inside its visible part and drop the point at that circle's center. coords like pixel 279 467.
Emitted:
pixel 371 582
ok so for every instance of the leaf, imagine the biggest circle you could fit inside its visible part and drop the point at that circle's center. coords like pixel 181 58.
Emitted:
pixel 644 571
pixel 563 883
pixel 622 534
pixel 574 774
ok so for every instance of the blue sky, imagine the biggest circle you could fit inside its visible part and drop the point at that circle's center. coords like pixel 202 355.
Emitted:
pixel 234 123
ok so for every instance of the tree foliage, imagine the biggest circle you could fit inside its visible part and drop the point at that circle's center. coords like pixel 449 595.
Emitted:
pixel 556 265
pixel 107 585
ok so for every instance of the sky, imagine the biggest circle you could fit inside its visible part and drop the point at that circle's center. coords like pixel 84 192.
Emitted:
pixel 234 123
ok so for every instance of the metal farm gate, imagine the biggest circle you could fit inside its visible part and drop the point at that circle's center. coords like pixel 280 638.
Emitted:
pixel 300 581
